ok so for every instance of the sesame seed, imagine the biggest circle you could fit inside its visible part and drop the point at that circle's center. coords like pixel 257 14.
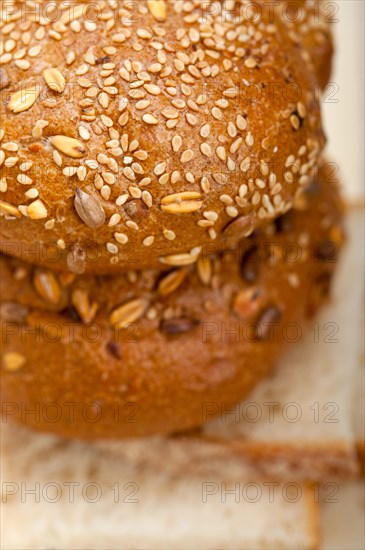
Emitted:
pixel 176 143
pixel 25 166
pixel 81 173
pixel 135 192
pixel 105 192
pixel 132 225
pixel 112 248
pixel 24 179
pixel 241 122
pixel 205 131
pixel 49 224
pixel 211 215
pixel 148 241
pixel 84 133
pixel 3 185
pixel 301 109
pixel 149 119
pixel 187 156
pixel 69 171
pixel 226 199
pixel 10 161
pixel 236 145
pixel 295 122
pixel 160 168
pixel 217 113
pixel 152 89
pixel 221 153
pixel 243 190
pixel 250 63
pixel 121 238
pixel 232 211
pixel 206 149
pixel 256 198
pixel 245 164
pixel 249 140
pixel 169 235
pixel 260 183
pixel 10 146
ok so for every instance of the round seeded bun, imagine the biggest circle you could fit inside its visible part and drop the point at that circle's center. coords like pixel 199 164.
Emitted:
pixel 141 353
pixel 310 28
pixel 134 137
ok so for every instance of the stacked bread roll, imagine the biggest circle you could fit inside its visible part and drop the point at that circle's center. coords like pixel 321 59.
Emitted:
pixel 167 221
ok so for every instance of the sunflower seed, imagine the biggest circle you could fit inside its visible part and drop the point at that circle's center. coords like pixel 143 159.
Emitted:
pixel 89 209
pixel 128 312
pixel 181 203
pixel 149 119
pixel 47 286
pixel 69 146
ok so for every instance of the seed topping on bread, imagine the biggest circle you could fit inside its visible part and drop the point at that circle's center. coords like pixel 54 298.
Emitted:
pixel 154 92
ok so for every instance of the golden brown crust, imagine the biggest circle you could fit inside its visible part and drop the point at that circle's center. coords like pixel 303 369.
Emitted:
pixel 65 341
pixel 171 126
pixel 360 449
pixel 310 28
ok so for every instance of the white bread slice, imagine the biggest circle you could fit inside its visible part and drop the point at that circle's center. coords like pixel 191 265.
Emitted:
pixel 359 408
pixel 171 512
pixel 342 505
pixel 342 522
pixel 315 380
